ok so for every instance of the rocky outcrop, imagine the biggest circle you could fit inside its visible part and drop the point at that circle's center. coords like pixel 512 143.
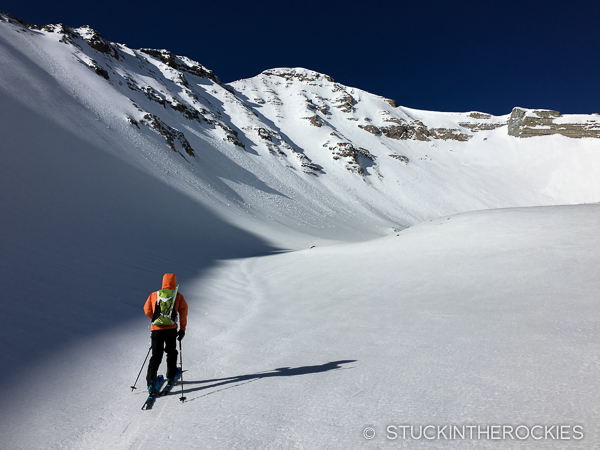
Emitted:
pixel 278 146
pixel 323 108
pixel 479 115
pixel 402 130
pixel 188 112
pixel 483 122
pixel 174 138
pixel 181 64
pixel 153 95
pixel 97 41
pixel 371 129
pixel 417 131
pixel 315 121
pixel 232 136
pixel 298 74
pixel 12 19
pixel 100 71
pixel 525 123
pixel 402 158
pixel 264 134
pixel 68 36
pixel 449 134
pixel 478 126
pixel 395 131
pixel 345 102
pixel 308 167
pixel 350 154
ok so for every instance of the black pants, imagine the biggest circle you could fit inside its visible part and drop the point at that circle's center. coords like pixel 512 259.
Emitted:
pixel 162 341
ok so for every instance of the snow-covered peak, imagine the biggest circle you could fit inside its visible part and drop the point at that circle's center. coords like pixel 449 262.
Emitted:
pixel 295 131
pixel 298 74
pixel 88 33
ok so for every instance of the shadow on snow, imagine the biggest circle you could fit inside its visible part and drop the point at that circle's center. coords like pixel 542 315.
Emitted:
pixel 243 379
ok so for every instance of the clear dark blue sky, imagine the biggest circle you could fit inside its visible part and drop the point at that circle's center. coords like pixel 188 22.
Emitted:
pixel 483 55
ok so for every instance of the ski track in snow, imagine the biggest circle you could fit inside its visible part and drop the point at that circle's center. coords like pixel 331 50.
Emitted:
pixel 438 330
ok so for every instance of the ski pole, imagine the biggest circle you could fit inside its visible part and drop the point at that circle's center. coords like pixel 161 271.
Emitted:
pixel 138 377
pixel 181 364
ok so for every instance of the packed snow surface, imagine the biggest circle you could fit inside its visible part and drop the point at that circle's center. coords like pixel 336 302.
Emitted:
pixel 487 318
pixel 335 291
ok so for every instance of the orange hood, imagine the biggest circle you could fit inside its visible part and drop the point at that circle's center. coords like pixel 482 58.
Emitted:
pixel 169 281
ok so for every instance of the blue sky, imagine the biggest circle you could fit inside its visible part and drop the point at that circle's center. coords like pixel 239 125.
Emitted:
pixel 435 55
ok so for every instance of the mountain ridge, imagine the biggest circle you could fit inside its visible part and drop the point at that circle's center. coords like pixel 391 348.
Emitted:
pixel 300 134
pixel 96 41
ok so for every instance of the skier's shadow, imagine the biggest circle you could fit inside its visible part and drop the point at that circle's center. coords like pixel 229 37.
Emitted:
pixel 243 379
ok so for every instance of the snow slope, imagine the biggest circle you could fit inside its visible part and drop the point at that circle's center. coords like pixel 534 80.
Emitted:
pixel 290 146
pixel 487 318
pixel 483 318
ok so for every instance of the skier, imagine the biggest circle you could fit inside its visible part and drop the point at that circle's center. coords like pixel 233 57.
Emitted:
pixel 164 307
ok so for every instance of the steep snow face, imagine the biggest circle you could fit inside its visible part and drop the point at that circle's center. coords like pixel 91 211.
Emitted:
pixel 291 147
pixel 425 163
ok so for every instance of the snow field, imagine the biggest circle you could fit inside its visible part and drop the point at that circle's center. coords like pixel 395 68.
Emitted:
pixel 488 317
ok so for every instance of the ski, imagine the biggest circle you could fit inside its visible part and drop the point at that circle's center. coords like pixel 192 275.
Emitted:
pixel 168 387
pixel 149 403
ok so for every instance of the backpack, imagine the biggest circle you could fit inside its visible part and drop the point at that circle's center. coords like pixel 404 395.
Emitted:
pixel 164 314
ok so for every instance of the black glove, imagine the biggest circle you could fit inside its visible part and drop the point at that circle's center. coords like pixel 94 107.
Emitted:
pixel 180 335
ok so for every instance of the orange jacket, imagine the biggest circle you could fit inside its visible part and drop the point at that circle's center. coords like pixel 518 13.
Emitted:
pixel 181 307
